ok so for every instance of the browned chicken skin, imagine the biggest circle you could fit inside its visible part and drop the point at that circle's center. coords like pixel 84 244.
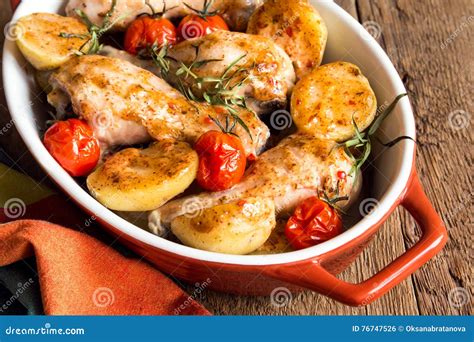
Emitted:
pixel 264 69
pixel 235 12
pixel 307 163
pixel 127 105
pixel 263 74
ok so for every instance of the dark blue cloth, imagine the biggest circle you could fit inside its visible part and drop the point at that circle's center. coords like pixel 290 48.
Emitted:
pixel 19 289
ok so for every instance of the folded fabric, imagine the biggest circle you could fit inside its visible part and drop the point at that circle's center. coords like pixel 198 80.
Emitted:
pixel 77 273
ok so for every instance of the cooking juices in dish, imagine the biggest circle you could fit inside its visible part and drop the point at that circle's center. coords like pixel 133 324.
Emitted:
pixel 182 124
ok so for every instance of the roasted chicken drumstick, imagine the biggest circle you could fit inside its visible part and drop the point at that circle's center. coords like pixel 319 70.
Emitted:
pixel 127 105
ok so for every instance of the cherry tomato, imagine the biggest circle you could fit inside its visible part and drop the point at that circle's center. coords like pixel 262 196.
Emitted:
pixel 73 145
pixel 146 31
pixel 313 222
pixel 195 26
pixel 341 175
pixel 222 161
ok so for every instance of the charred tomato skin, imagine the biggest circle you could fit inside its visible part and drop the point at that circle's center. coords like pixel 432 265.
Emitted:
pixel 147 31
pixel 222 161
pixel 313 222
pixel 73 145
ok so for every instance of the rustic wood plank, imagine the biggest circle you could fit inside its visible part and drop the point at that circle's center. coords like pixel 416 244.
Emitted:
pixel 440 82
pixel 389 242
pixel 438 74
pixel 382 250
pixel 350 6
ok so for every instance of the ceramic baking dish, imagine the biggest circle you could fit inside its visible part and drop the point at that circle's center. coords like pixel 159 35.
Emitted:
pixel 394 182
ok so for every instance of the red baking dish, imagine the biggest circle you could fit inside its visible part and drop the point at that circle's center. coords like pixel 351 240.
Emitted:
pixel 394 183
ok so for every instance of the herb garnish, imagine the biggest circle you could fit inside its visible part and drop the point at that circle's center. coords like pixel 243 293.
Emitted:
pixel 159 56
pixel 361 144
pixel 332 202
pixel 95 32
pixel 216 91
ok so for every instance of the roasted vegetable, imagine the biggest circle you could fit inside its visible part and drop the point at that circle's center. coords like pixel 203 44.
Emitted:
pixel 331 101
pixel 39 39
pixel 143 180
pixel 235 228
pixel 297 27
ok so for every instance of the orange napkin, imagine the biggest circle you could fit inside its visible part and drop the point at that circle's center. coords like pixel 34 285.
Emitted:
pixel 78 274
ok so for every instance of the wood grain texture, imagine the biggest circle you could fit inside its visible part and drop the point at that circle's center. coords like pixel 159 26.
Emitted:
pixel 430 43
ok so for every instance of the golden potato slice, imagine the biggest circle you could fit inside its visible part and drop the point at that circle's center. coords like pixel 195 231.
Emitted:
pixel 325 101
pixel 38 38
pixel 236 228
pixel 297 27
pixel 277 243
pixel 143 180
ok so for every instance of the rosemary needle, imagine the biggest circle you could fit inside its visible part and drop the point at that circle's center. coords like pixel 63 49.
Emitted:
pixel 216 91
pixel 361 144
pixel 95 32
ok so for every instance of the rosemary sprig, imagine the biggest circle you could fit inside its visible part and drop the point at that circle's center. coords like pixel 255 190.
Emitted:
pixel 95 32
pixel 333 201
pixel 217 91
pixel 187 71
pixel 159 56
pixel 359 148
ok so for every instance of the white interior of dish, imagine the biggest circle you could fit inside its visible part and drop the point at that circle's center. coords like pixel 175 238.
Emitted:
pixel 348 41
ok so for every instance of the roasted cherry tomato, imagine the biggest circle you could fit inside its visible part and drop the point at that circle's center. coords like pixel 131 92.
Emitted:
pixel 147 31
pixel 195 26
pixel 73 145
pixel 200 23
pixel 313 222
pixel 222 161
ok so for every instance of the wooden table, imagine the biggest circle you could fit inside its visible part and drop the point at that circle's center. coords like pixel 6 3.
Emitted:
pixel 430 43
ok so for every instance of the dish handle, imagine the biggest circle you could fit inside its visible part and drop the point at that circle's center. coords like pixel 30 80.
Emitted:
pixel 313 276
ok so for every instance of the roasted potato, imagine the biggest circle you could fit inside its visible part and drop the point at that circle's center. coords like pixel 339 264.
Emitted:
pixel 38 38
pixel 143 180
pixel 277 242
pixel 297 27
pixel 325 102
pixel 235 228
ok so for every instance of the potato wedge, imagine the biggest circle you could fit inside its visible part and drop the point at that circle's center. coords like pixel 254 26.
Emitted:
pixel 143 180
pixel 324 102
pixel 39 39
pixel 297 27
pixel 237 228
